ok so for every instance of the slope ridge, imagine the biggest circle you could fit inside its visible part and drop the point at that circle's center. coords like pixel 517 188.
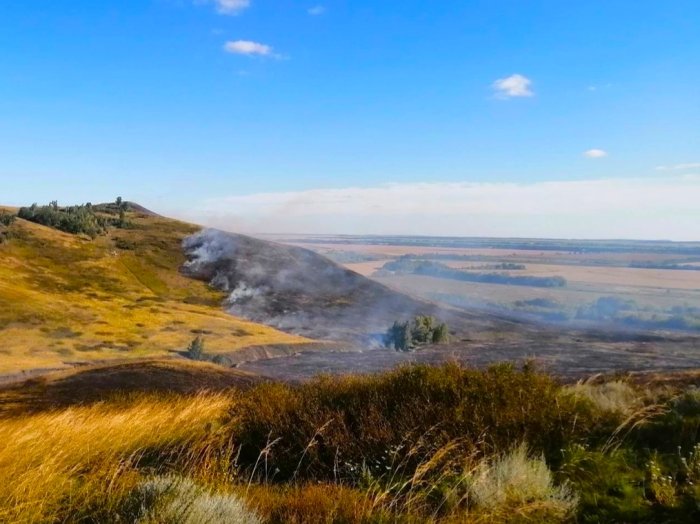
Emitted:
pixel 67 299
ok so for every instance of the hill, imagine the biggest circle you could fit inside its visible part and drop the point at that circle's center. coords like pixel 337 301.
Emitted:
pixel 68 299
pixel 300 291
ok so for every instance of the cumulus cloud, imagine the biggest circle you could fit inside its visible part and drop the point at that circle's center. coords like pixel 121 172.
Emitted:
pixel 316 10
pixel 606 208
pixel 595 153
pixel 247 47
pixel 679 167
pixel 513 86
pixel 227 7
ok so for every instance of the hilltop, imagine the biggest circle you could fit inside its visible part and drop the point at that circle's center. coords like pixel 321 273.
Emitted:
pixel 67 299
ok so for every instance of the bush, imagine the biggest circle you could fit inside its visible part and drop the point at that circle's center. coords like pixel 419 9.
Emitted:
pixel 614 397
pixel 6 219
pixel 518 483
pixel 331 426
pixel 175 500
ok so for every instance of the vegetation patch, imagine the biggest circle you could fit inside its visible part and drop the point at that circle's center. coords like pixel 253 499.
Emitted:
pixel 419 444
pixel 409 265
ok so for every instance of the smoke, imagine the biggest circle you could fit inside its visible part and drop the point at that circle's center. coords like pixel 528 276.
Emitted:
pixel 243 292
pixel 641 207
pixel 207 247
pixel 295 289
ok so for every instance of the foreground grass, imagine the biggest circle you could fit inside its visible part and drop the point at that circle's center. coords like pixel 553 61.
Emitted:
pixel 417 444
pixel 123 290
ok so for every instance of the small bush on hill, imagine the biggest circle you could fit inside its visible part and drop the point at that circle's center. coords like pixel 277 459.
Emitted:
pixel 6 219
pixel 176 500
pixel 518 483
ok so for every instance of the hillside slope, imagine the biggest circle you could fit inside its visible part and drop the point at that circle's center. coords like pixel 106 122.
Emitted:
pixel 302 292
pixel 66 298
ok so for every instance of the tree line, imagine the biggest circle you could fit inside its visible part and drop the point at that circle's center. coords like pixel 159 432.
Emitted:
pixel 80 219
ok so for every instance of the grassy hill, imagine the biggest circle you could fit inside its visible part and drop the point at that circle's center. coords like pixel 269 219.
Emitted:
pixel 67 299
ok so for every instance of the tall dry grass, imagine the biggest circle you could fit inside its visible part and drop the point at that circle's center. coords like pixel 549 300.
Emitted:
pixel 62 459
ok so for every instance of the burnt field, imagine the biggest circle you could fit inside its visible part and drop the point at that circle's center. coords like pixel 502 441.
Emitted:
pixel 566 354
pixel 622 307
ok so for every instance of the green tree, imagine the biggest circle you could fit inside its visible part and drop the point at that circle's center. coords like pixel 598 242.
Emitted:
pixel 195 351
pixel 441 334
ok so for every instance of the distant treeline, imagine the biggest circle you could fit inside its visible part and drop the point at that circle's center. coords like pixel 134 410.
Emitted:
pixel 655 265
pixel 503 266
pixel 81 219
pixel 439 270
pixel 352 257
pixel 568 246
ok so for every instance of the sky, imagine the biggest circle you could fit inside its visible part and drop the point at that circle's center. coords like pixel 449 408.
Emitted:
pixel 477 118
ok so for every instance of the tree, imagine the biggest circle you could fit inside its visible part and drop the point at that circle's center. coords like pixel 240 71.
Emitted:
pixel 404 336
pixel 119 202
pixel 441 335
pixel 195 350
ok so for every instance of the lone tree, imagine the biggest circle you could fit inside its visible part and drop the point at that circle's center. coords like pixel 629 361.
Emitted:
pixel 195 351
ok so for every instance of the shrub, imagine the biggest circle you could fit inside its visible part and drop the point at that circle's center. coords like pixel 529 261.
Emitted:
pixel 615 397
pixel 176 500
pixel 331 426
pixel 6 219
pixel 517 482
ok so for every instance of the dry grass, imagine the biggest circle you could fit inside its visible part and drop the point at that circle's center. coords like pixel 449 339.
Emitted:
pixel 178 500
pixel 615 397
pixel 67 299
pixel 48 460
pixel 517 483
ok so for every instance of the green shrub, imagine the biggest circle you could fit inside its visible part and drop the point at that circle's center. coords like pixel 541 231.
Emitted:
pixel 6 219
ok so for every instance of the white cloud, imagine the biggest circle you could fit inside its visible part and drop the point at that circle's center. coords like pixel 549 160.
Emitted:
pixel 227 7
pixel 513 86
pixel 595 153
pixel 247 47
pixel 679 167
pixel 316 10
pixel 663 207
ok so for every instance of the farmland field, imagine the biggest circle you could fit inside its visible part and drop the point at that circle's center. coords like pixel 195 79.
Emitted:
pixel 642 285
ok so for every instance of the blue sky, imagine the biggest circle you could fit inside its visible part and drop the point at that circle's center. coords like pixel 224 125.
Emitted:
pixel 262 115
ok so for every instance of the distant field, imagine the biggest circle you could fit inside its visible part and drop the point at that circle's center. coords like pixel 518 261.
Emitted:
pixel 592 272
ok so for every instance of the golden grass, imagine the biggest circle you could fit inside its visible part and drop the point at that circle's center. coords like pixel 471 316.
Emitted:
pixel 76 453
pixel 67 299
